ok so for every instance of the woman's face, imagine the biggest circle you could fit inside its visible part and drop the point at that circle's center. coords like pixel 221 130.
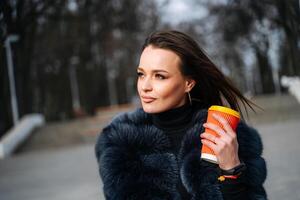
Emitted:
pixel 161 85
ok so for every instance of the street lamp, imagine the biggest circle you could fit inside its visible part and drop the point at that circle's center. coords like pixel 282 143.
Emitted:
pixel 11 77
pixel 74 83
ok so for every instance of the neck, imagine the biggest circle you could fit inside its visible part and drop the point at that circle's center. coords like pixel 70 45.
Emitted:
pixel 173 119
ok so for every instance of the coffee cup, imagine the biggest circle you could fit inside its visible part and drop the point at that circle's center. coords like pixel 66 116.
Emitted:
pixel 232 117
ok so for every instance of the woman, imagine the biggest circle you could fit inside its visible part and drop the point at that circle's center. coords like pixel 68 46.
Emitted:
pixel 155 151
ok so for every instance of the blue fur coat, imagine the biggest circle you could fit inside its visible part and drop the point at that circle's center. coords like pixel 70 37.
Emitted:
pixel 135 162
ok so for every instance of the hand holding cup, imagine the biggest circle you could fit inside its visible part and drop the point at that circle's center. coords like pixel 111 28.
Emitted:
pixel 219 139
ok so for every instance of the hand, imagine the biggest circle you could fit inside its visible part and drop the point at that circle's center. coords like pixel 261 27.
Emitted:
pixel 225 146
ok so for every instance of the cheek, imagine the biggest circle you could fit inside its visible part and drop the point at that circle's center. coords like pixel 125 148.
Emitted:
pixel 170 90
pixel 139 86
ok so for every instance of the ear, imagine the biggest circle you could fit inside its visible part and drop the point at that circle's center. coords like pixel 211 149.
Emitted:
pixel 189 84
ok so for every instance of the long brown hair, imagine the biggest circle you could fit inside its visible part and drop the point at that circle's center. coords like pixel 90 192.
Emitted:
pixel 211 84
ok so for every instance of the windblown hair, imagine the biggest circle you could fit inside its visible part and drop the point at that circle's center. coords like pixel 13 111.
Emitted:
pixel 211 84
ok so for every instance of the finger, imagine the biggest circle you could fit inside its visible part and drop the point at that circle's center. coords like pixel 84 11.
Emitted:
pixel 217 129
pixel 225 124
pixel 215 139
pixel 209 136
pixel 210 144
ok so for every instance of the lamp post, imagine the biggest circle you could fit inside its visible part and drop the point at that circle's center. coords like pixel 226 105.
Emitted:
pixel 74 85
pixel 11 77
pixel 111 75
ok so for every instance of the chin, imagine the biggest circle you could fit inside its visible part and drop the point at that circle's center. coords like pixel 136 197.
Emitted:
pixel 153 108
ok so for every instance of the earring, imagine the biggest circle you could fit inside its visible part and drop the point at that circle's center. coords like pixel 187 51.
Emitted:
pixel 190 99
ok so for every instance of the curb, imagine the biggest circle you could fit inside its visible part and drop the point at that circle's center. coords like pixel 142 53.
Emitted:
pixel 19 133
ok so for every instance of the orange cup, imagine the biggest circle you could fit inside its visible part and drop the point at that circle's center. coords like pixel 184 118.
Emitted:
pixel 233 118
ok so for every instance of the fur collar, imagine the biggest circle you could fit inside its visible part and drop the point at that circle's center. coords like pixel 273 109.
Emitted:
pixel 135 160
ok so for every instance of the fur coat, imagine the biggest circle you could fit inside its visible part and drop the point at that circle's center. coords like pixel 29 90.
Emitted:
pixel 135 161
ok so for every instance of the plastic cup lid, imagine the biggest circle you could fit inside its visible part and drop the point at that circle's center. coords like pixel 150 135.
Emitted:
pixel 225 110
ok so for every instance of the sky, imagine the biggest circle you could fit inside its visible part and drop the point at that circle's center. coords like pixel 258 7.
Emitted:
pixel 176 11
pixel 173 12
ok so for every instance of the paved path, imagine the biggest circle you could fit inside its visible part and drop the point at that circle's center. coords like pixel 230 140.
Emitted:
pixel 71 174
pixel 282 152
pixel 63 174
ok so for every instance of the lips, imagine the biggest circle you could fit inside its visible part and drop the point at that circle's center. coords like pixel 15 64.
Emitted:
pixel 147 99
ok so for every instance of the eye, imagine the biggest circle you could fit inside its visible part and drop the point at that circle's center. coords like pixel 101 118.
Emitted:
pixel 159 76
pixel 140 74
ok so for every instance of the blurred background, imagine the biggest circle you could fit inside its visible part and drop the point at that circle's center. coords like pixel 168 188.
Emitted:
pixel 74 63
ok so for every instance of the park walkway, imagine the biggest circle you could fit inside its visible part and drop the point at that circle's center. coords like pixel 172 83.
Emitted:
pixel 66 173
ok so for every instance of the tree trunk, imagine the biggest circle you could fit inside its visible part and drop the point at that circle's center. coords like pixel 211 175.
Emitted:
pixel 265 71
pixel 289 20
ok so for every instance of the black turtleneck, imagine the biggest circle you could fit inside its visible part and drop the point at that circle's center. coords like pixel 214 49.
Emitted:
pixel 174 122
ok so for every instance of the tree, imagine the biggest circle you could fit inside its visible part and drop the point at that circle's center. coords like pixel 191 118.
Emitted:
pixel 245 23
pixel 85 40
pixel 288 19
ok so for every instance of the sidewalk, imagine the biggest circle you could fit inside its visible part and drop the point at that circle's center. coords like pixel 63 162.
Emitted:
pixel 64 173
pixel 281 151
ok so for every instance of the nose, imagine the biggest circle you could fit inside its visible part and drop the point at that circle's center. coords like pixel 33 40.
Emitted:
pixel 146 85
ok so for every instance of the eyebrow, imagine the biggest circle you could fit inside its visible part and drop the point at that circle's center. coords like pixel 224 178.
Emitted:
pixel 155 70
